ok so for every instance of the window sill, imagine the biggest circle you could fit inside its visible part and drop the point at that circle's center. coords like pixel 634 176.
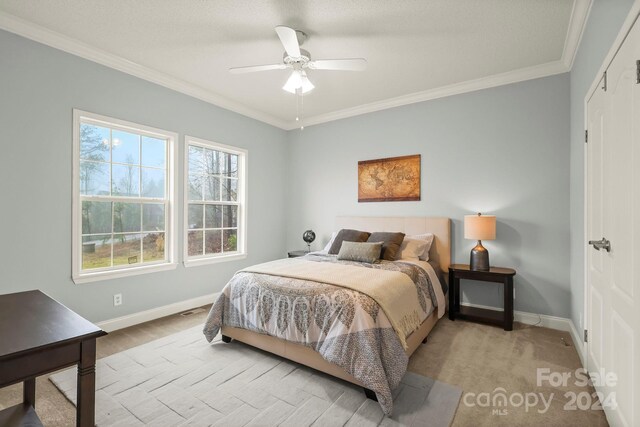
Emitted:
pixel 213 260
pixel 115 274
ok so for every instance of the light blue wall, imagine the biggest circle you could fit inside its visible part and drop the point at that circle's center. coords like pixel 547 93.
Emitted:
pixel 503 151
pixel 39 87
pixel 605 21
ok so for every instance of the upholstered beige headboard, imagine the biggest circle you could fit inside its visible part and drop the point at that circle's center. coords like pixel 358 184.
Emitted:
pixel 439 226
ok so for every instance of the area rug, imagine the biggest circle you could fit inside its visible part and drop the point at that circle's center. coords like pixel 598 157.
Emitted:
pixel 184 380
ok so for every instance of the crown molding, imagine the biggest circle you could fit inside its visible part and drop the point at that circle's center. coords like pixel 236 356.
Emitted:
pixel 522 74
pixel 58 41
pixel 579 16
pixel 577 24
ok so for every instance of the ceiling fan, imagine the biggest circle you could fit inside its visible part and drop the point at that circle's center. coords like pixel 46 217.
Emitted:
pixel 299 60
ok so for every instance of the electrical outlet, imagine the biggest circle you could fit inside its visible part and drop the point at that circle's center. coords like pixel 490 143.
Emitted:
pixel 117 300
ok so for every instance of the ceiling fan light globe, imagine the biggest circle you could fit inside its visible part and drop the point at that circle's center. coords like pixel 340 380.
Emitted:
pixel 306 85
pixel 298 81
pixel 296 90
pixel 294 82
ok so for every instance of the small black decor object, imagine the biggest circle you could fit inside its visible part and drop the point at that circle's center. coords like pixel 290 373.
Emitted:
pixel 309 236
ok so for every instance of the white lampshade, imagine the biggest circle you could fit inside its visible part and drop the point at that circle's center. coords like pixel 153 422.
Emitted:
pixel 480 227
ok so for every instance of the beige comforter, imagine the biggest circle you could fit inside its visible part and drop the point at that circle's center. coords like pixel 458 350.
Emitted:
pixel 394 291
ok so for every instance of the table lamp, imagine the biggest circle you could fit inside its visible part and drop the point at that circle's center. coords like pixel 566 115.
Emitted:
pixel 479 227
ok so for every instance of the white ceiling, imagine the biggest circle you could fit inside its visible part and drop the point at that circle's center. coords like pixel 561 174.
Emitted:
pixel 414 48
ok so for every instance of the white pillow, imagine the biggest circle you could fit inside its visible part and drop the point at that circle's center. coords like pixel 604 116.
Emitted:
pixel 416 247
pixel 411 249
pixel 333 237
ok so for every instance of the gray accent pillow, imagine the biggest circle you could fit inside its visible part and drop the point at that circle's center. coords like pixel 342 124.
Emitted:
pixel 391 243
pixel 346 235
pixel 359 251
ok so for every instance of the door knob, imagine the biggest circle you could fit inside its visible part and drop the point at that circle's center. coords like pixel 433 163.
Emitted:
pixel 601 244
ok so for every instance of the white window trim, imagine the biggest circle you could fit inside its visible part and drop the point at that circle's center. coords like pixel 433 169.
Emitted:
pixel 77 275
pixel 243 173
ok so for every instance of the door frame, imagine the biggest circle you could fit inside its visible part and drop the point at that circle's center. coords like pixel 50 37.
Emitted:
pixel 632 16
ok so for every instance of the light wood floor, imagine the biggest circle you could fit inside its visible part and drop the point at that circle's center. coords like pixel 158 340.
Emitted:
pixel 477 358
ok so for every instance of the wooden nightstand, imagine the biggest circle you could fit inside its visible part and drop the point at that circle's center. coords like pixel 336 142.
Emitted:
pixel 296 254
pixel 474 314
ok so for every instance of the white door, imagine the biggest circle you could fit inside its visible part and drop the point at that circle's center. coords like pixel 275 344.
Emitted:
pixel 597 292
pixel 613 213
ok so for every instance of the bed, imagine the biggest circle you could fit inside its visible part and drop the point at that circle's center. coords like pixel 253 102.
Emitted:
pixel 307 315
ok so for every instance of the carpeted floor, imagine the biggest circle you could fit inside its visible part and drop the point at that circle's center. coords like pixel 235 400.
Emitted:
pixel 183 380
pixel 475 357
pixel 480 359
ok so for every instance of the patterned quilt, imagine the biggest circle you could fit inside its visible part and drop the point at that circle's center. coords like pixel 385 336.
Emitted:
pixel 346 327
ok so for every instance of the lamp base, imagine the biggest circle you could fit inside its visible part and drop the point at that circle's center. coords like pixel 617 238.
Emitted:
pixel 479 260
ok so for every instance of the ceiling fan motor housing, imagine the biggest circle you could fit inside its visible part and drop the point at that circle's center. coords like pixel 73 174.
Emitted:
pixel 301 62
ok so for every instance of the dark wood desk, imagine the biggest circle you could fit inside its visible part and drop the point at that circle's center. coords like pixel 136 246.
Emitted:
pixel 475 314
pixel 39 335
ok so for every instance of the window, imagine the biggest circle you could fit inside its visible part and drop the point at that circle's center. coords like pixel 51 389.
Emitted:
pixel 215 211
pixel 122 198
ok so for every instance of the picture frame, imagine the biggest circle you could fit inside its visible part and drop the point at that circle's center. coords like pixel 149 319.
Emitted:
pixel 390 179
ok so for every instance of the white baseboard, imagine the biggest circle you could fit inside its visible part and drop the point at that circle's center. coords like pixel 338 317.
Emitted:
pixel 546 321
pixel 552 322
pixel 155 313
pixel 578 342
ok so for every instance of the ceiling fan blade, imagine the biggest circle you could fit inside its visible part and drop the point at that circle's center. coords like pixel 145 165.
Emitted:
pixel 253 68
pixel 352 64
pixel 289 40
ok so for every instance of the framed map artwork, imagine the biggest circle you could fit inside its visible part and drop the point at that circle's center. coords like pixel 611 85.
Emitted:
pixel 389 180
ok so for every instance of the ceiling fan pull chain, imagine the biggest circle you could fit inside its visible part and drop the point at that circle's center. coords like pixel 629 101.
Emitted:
pixel 301 109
